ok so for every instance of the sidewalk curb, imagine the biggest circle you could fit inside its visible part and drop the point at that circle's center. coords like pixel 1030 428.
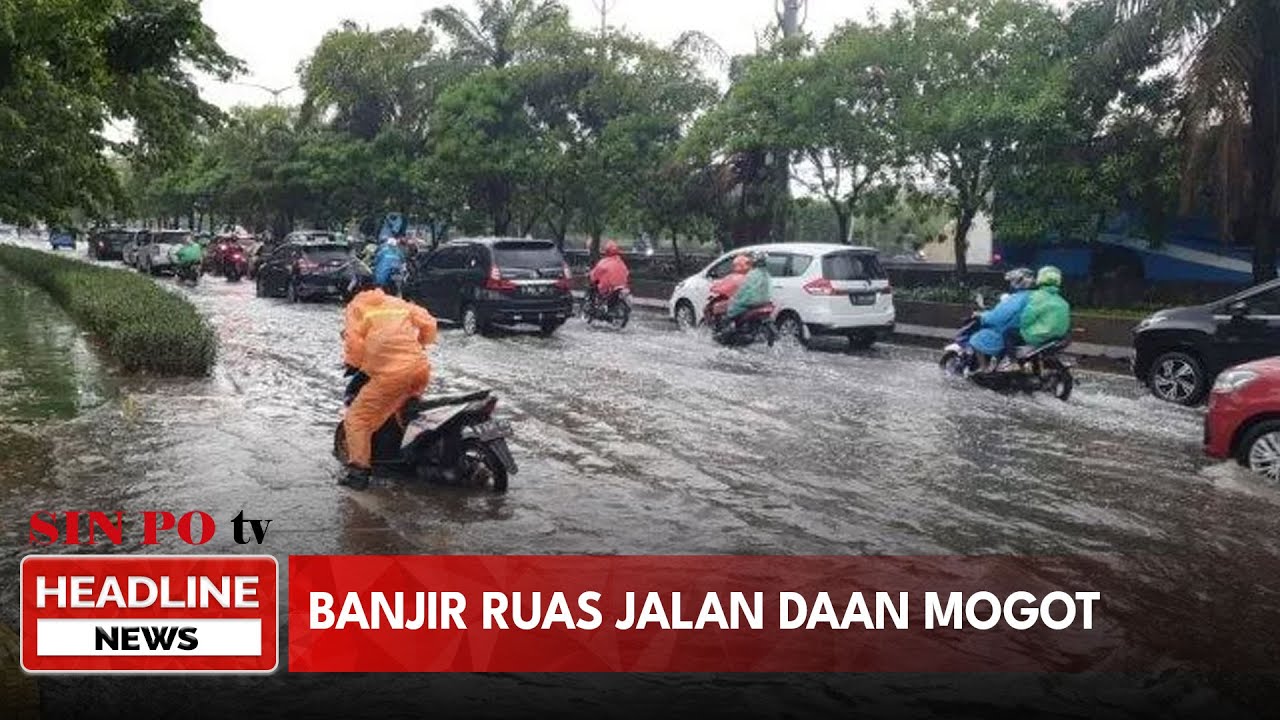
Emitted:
pixel 1109 352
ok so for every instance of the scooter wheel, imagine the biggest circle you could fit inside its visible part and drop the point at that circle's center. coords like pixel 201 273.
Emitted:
pixel 952 364
pixel 483 465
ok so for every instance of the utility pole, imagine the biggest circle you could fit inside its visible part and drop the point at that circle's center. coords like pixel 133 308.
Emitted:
pixel 274 92
pixel 792 15
pixel 789 18
pixel 605 7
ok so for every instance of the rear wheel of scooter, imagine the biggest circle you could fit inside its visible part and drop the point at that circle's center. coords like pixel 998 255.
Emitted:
pixel 620 315
pixel 1060 382
pixel 482 467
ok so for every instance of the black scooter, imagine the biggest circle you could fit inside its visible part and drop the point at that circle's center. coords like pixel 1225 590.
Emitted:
pixel 614 309
pixel 751 326
pixel 188 273
pixel 1036 369
pixel 451 440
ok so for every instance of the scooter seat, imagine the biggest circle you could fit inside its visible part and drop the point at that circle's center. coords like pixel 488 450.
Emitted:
pixel 1027 352
pixel 448 400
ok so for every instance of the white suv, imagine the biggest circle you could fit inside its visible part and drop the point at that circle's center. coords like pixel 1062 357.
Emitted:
pixel 818 289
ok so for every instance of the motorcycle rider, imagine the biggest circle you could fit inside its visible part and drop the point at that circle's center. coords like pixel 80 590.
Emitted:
pixel 362 296
pixel 609 274
pixel 1000 322
pixel 189 254
pixel 754 291
pixel 387 262
pixel 727 286
pixel 387 338
pixel 1047 317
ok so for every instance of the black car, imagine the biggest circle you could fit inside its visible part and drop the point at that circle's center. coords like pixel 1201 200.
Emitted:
pixel 1178 353
pixel 109 244
pixel 479 283
pixel 306 270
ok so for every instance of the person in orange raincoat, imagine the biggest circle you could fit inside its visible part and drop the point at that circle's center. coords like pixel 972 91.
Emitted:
pixel 388 339
pixel 363 294
pixel 610 273
pixel 726 287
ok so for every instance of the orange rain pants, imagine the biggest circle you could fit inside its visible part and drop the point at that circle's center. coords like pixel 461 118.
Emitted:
pixel 394 335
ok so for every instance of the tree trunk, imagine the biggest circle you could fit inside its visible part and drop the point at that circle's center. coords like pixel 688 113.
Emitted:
pixel 675 250
pixel 594 248
pixel 1265 135
pixel 501 222
pixel 963 222
pixel 842 220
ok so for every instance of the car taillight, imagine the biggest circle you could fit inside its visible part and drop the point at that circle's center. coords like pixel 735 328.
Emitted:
pixel 820 286
pixel 888 289
pixel 496 283
pixel 304 264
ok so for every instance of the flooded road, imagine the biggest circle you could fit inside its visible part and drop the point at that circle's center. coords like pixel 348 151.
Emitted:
pixel 655 441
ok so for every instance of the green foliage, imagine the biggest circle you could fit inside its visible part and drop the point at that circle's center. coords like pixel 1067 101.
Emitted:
pixel 67 69
pixel 977 81
pixel 141 325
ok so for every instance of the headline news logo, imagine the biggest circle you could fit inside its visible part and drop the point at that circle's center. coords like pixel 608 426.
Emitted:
pixel 148 614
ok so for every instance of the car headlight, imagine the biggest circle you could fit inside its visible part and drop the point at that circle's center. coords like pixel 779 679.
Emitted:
pixel 1233 380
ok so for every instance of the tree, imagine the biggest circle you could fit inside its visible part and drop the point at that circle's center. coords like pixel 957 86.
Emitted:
pixel 501 33
pixel 361 81
pixel 69 68
pixel 1231 125
pixel 830 111
pixel 484 143
pixel 1114 152
pixel 977 80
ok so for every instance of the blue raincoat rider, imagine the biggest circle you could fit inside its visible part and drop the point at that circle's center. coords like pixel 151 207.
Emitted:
pixel 386 263
pixel 1001 322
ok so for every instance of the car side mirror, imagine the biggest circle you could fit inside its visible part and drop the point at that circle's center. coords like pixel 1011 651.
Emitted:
pixel 1238 309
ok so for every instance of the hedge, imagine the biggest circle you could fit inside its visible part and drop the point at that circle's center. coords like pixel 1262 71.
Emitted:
pixel 143 326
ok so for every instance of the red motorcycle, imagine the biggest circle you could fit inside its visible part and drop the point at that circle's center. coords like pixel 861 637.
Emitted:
pixel 228 259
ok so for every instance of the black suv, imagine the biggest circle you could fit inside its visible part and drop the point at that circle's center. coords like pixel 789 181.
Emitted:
pixel 1178 353
pixel 479 283
pixel 108 243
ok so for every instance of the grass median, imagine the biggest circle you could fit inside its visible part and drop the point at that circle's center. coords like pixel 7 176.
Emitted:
pixel 141 325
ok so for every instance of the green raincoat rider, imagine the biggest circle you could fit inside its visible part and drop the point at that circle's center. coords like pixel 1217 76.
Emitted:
pixel 755 290
pixel 1047 316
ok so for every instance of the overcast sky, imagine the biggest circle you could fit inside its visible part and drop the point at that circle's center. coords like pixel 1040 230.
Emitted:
pixel 273 36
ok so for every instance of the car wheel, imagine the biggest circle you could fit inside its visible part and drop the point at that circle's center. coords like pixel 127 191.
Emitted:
pixel 686 318
pixel 470 320
pixel 547 329
pixel 789 326
pixel 1260 450
pixel 1179 377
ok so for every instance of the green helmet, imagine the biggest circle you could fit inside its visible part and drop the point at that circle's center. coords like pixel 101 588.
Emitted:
pixel 1049 275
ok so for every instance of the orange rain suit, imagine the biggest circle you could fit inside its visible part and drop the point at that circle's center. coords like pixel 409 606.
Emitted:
pixel 391 336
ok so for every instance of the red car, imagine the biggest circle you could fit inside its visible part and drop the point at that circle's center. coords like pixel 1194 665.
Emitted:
pixel 1243 421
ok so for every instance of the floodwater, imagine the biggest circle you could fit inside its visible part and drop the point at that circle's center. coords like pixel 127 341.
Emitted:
pixel 650 440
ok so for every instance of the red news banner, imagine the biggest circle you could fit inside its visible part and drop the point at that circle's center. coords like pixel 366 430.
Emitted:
pixel 689 614
pixel 188 614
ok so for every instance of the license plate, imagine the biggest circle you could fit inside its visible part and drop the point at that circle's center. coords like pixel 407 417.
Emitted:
pixel 862 299
pixel 493 430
